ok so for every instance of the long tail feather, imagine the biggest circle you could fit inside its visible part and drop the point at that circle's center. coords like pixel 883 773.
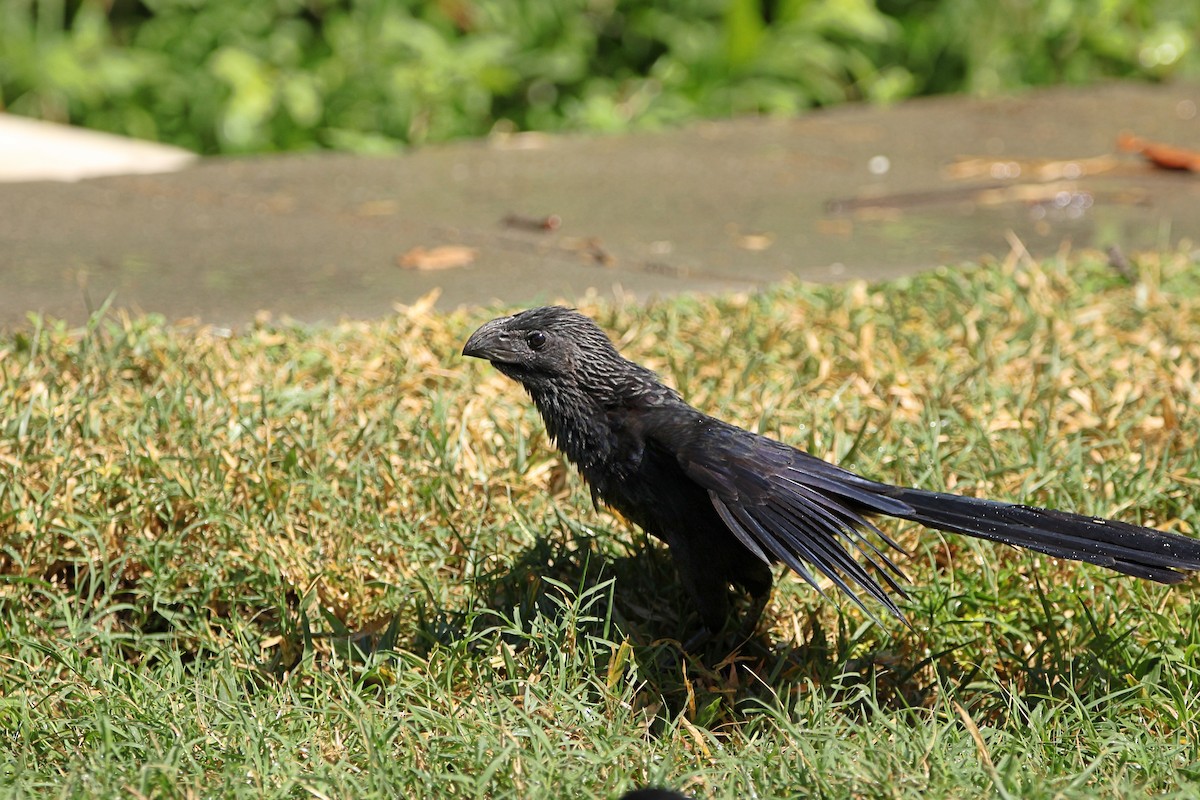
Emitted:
pixel 1131 549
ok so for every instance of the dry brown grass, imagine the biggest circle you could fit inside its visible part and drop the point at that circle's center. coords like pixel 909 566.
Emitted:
pixel 274 445
pixel 281 491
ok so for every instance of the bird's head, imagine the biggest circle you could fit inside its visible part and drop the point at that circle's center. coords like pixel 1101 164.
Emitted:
pixel 572 371
pixel 543 345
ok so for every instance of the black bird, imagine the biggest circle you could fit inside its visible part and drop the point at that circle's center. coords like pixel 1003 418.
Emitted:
pixel 729 502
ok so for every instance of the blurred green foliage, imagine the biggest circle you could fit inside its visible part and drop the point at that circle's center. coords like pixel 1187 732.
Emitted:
pixel 238 76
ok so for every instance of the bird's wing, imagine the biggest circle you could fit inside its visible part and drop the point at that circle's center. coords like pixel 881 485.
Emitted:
pixel 783 504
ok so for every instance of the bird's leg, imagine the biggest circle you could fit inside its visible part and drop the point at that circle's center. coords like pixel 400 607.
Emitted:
pixel 760 593
pixel 756 578
pixel 758 604
pixel 698 639
pixel 707 588
pixel 745 632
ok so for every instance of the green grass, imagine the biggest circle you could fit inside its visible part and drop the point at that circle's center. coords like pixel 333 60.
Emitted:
pixel 343 562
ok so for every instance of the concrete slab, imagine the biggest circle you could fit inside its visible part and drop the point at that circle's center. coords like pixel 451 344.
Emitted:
pixel 852 192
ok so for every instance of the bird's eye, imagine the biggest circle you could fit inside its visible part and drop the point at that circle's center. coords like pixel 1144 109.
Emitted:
pixel 536 339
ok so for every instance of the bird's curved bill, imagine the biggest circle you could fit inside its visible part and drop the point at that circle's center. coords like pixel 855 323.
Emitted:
pixel 492 342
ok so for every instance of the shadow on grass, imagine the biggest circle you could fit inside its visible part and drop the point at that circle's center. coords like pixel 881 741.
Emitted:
pixel 564 585
pixel 637 599
pixel 569 587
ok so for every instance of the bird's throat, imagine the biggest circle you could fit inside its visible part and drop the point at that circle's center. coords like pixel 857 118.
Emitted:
pixel 577 424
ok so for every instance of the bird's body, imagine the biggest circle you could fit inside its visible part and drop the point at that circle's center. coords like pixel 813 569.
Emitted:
pixel 729 502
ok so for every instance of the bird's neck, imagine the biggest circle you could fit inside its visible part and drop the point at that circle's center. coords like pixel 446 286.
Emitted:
pixel 583 415
pixel 579 425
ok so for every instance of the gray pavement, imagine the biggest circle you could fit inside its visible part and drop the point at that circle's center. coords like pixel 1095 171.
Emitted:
pixel 851 192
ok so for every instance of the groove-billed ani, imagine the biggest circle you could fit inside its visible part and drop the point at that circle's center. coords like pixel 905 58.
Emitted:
pixel 728 502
